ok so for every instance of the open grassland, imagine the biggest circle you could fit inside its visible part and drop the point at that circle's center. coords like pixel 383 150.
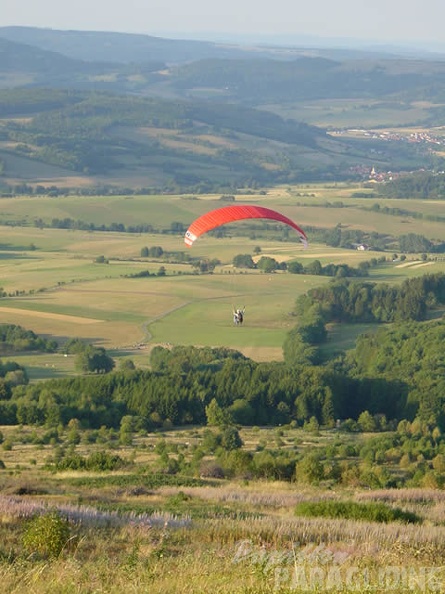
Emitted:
pixel 56 288
pixel 138 530
pixel 307 205
pixel 192 309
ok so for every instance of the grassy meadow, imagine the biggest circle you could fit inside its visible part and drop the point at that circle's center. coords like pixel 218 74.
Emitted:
pixel 56 288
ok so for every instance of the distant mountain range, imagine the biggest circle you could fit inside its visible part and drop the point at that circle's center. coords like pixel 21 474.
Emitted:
pixel 426 49
pixel 253 75
pixel 97 46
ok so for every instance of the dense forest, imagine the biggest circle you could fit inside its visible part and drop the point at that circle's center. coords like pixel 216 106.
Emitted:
pixel 358 301
pixel 396 373
pixel 419 185
pixel 264 81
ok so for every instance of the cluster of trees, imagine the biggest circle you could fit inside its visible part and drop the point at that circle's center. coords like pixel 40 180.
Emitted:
pixel 357 301
pixel 11 374
pixel 403 212
pixel 412 243
pixel 351 238
pixel 89 358
pixel 252 393
pixel 265 263
pixel 156 251
pixel 16 338
pixel 205 265
pixel 334 270
pixel 408 243
pixel 108 190
pixel 413 455
pixel 146 273
pixel 302 342
pixel 268 264
pixel 423 185
pixel 410 351
pixel 68 223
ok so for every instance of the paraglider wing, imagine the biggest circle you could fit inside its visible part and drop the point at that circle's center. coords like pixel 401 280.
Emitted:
pixel 229 214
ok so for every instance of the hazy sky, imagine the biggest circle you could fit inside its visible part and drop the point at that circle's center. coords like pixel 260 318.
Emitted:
pixel 381 20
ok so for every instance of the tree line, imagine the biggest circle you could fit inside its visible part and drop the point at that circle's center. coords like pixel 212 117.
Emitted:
pixel 189 385
pixel 364 301
pixel 15 338
pixel 423 185
pixel 396 373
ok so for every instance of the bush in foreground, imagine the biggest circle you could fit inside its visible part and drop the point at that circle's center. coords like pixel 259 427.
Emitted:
pixel 47 535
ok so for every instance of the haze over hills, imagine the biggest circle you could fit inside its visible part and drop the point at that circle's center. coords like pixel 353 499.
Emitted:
pixel 344 46
pixel 124 47
pixel 131 47
pixel 178 114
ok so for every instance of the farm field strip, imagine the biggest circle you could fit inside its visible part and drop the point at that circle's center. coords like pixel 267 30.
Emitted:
pixel 48 315
pixel 66 293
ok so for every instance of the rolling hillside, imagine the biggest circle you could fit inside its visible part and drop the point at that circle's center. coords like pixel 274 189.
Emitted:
pixel 181 116
pixel 172 145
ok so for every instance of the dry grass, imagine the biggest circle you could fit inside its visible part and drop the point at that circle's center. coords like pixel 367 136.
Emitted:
pixel 225 537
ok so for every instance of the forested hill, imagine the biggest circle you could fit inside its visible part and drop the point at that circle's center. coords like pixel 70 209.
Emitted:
pixel 26 65
pixel 307 78
pixel 181 116
pixel 22 57
pixel 177 144
pixel 254 75
pixel 121 47
pixel 127 48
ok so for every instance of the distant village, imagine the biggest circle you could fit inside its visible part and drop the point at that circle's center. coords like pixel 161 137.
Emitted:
pixel 374 176
pixel 423 137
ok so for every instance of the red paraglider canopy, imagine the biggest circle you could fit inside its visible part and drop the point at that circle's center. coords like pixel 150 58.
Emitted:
pixel 229 214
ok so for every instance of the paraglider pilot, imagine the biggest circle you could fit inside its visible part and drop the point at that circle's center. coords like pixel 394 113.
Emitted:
pixel 238 316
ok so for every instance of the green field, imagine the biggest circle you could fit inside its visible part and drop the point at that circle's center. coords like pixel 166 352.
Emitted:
pixel 56 288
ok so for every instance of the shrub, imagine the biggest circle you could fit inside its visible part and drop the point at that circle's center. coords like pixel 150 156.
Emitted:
pixel 230 438
pixel 46 535
pixel 211 469
pixel 350 510
pixel 96 462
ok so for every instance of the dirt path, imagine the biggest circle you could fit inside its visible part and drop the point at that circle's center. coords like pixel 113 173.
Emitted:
pixel 146 325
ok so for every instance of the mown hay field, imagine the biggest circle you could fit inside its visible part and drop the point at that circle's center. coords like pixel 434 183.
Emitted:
pixel 56 287
pixel 306 204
